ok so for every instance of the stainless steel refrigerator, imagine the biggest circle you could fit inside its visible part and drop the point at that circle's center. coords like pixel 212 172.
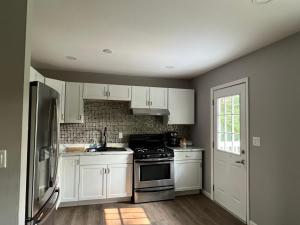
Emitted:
pixel 43 146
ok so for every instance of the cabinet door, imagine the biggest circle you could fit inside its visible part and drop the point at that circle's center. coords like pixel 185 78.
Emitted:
pixel 119 181
pixel 140 97
pixel 92 184
pixel 59 86
pixel 119 92
pixel 95 91
pixel 158 98
pixel 74 103
pixel 69 178
pixel 188 175
pixel 36 76
pixel 181 104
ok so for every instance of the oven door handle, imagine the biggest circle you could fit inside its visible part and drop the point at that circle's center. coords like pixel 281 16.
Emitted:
pixel 154 189
pixel 155 160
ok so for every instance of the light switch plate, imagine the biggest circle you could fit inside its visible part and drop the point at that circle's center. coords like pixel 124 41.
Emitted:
pixel 256 141
pixel 2 158
pixel 120 135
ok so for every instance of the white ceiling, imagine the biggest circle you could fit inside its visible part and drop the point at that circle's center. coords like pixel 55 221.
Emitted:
pixel 146 36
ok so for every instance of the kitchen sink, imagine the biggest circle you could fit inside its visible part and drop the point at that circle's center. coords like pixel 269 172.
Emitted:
pixel 105 149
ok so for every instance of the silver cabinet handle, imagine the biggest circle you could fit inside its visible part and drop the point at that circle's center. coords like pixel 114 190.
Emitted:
pixel 241 162
pixel 104 170
pixel 109 94
pixel 108 170
pixel 150 102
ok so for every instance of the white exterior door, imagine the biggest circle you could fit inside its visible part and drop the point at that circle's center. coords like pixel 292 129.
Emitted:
pixel 92 184
pixel 119 180
pixel 158 98
pixel 119 92
pixel 230 149
pixel 69 178
pixel 140 97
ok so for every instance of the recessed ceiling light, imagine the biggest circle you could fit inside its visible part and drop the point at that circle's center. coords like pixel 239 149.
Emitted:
pixel 261 1
pixel 170 67
pixel 72 58
pixel 107 51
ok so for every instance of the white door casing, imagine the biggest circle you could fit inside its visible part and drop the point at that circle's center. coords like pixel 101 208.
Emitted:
pixel 230 148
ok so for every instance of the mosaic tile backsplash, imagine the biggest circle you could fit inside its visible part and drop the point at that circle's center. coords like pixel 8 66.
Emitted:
pixel 117 117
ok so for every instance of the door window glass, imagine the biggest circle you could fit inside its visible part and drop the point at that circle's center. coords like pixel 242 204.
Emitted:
pixel 228 124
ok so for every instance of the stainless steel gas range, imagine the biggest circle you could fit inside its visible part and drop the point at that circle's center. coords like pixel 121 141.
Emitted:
pixel 153 168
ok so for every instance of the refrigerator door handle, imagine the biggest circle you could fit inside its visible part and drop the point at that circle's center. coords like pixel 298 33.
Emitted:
pixel 47 211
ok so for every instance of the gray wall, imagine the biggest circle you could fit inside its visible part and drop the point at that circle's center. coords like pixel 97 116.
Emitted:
pixel 274 95
pixel 115 79
pixel 14 56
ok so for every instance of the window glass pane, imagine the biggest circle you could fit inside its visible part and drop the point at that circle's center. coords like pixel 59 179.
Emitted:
pixel 236 104
pixel 236 124
pixel 221 106
pixel 221 123
pixel 228 142
pixel 229 124
pixel 228 105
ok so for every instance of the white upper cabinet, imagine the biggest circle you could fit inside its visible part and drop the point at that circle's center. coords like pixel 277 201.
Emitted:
pixel 94 91
pixel 107 92
pixel 119 92
pixel 140 97
pixel 59 86
pixel 74 103
pixel 181 104
pixel 149 97
pixel 158 98
pixel 36 76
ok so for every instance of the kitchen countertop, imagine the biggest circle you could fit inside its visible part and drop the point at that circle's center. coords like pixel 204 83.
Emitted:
pixel 188 148
pixel 64 146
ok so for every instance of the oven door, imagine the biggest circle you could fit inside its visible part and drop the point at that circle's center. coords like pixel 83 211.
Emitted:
pixel 153 173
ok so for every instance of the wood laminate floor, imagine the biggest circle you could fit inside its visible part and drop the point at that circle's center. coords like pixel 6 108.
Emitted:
pixel 184 210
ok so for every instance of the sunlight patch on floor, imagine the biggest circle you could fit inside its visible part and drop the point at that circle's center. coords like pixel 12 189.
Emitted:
pixel 126 216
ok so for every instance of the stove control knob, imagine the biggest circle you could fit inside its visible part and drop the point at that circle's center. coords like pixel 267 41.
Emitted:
pixel 148 156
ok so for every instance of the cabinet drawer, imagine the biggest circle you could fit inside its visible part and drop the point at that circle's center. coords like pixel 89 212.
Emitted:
pixel 186 155
pixel 105 159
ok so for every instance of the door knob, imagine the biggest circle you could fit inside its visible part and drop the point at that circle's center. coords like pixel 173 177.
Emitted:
pixel 241 162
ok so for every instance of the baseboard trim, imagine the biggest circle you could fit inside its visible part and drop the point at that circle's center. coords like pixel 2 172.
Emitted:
pixel 207 194
pixel 252 223
pixel 94 202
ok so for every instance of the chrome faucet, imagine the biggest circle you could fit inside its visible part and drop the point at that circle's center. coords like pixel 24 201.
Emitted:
pixel 105 137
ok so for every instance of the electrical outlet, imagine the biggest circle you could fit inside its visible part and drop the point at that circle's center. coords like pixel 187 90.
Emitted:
pixel 256 141
pixel 2 158
pixel 120 135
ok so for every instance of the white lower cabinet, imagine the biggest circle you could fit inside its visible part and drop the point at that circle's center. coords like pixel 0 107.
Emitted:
pixel 69 178
pixel 188 175
pixel 188 171
pixel 119 181
pixel 95 177
pixel 92 182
